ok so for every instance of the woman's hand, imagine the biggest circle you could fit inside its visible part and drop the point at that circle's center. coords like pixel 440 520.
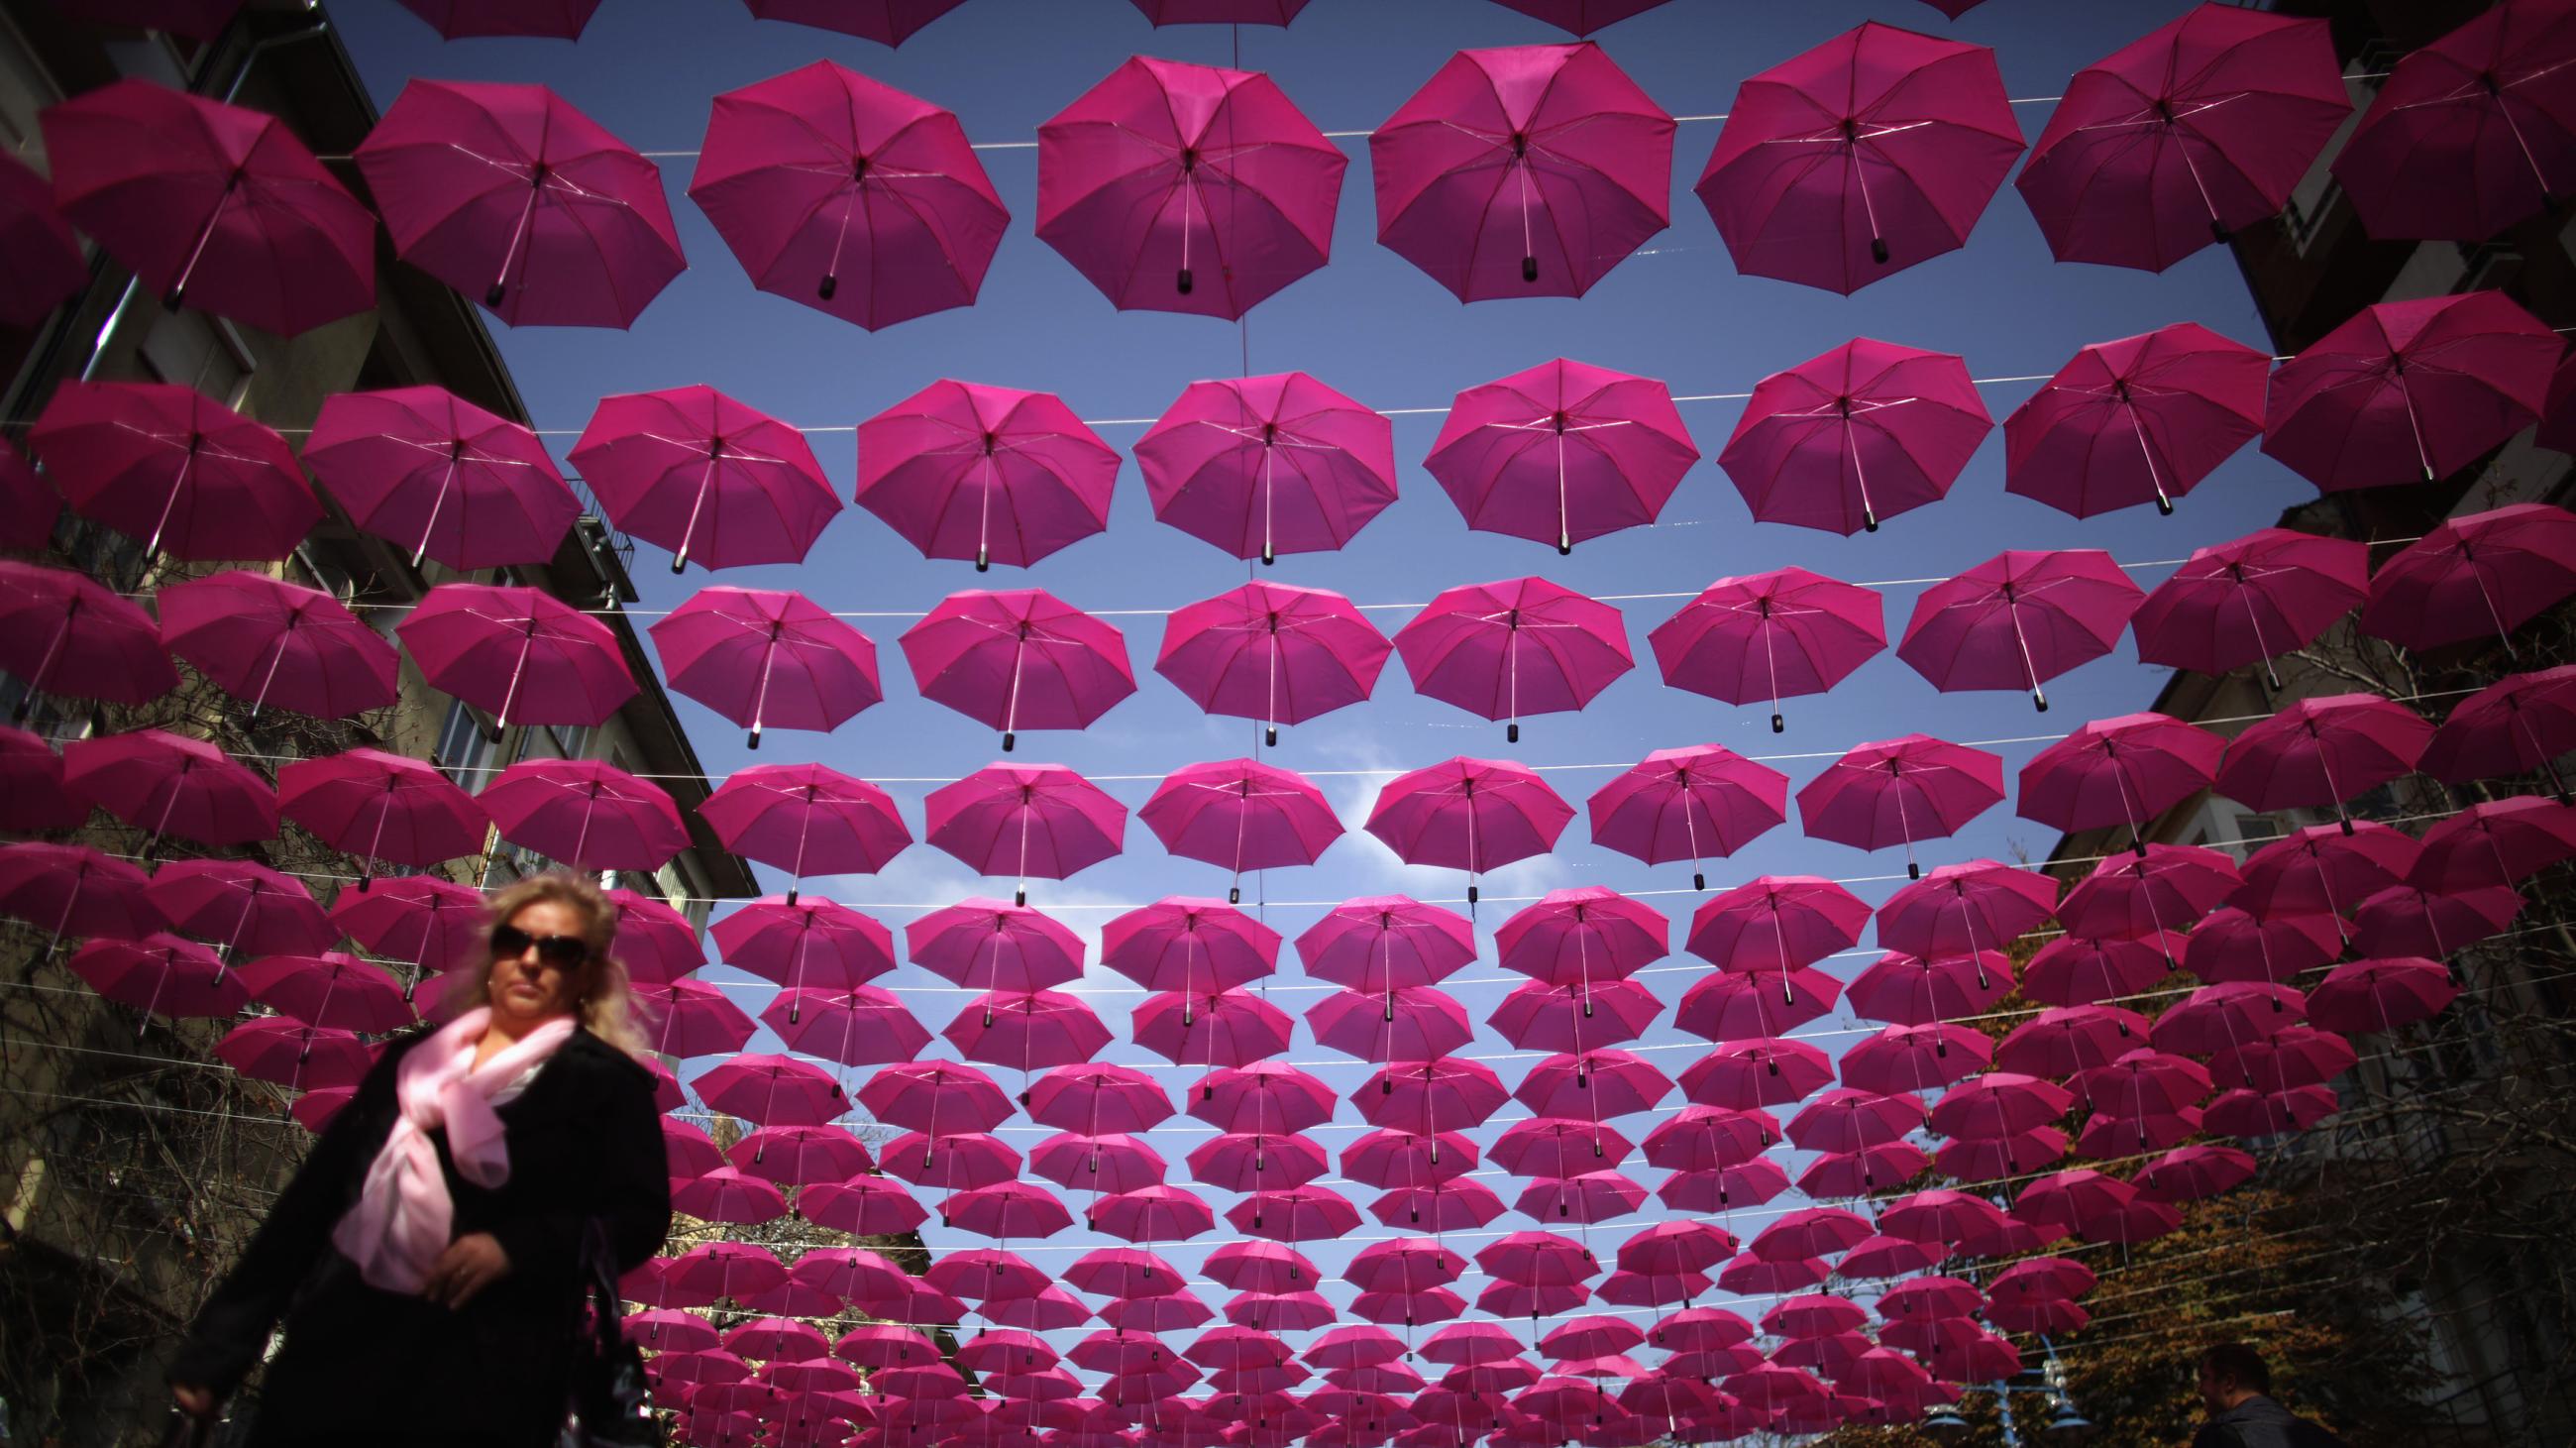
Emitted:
pixel 194 1401
pixel 470 1264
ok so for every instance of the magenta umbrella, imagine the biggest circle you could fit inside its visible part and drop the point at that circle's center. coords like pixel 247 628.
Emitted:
pixel 1540 1016
pixel 1691 803
pixel 1770 636
pixel 167 783
pixel 963 470
pixel 2410 391
pixel 1565 1084
pixel 2018 620
pixel 1018 658
pixel 691 1018
pixel 921 1095
pixel 2125 770
pixel 1580 17
pixel 331 990
pixel 1223 1028
pixel 2472 574
pixel 1449 1094
pixel 1272 652
pixel 1261 466
pixel 550 19
pixel 1026 819
pixel 65 633
pixel 696 472
pixel 1575 937
pixel 243 907
pixel 37 248
pixel 1241 814
pixel 519 653
pixel 2496 842
pixel 2141 419
pixel 75 890
pixel 771 1090
pixel 265 639
pixel 1865 432
pixel 1261 1096
pixel 2363 996
pixel 819 943
pixel 214 204
pixel 1778 922
pixel 1384 942
pixel 1522 646
pixel 806 817
pixel 1027 1029
pixel 887 22
pixel 1409 1023
pixel 1469 814
pixel 2250 600
pixel 1220 12
pixel 1167 169
pixel 822 174
pixel 587 813
pixel 1189 946
pixel 2192 132
pixel 423 467
pixel 2076 970
pixel 427 920
pixel 1530 170
pixel 1911 990
pixel 1731 1007
pixel 1900 788
pixel 160 975
pixel 174 468
pixel 2229 944
pixel 989 945
pixel 2319 752
pixel 1562 452
pixel 1094 1098
pixel 2136 897
pixel 1875 150
pixel 32 797
pixel 508 194
pixel 2519 724
pixel 381 806
pixel 761 658
pixel 2468 135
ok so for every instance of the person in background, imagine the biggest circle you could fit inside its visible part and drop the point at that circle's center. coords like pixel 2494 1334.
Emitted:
pixel 427 1259
pixel 2236 1387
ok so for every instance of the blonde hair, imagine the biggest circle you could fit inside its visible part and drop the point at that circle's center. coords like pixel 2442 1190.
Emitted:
pixel 603 999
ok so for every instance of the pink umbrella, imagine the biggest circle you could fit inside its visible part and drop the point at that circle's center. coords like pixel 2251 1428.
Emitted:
pixel 2141 419
pixel 1769 636
pixel 1220 1028
pixel 32 797
pixel 812 943
pixel 245 908
pixel 1900 787
pixel 381 806
pixel 887 22
pixel 2410 391
pixel 1189 946
pixel 1259 466
pixel 587 813
pixel 211 203
pixel 1523 646
pixel 1469 814
pixel 1909 990
pixel 2474 573
pixel 989 945
pixel 2071 971
pixel 2188 134
pixel 2363 996
pixel 2319 871
pixel 2125 770
pixel 174 468
pixel 2250 600
pixel 935 1098
pixel 2018 620
pixel 1261 1096
pixel 962 470
pixel 331 990
pixel 66 633
pixel 2467 136
pixel 654 941
pixel 1561 453
pixel 691 1018
pixel 1865 432
pixel 1018 658
pixel 2319 752
pixel 1274 653
pixel 1968 909
pixel 1220 12
pixel 1580 17
pixel 822 173
pixel 519 653
pixel 2225 1018
pixel 423 467
pixel 1605 1079
pixel 167 783
pixel 507 193
pixel 2168 887
pixel 1092 1098
pixel 1241 814
pixel 1027 1029
pixel 1108 1161
pixel 161 974
pixel 1430 1096
pixel 1886 143
pixel 552 19
pixel 805 817
pixel 41 254
pixel 1540 1016
pixel 2496 843
pixel 2519 724
pixel 2285 1059
pixel 1165 169
pixel 1916 1058
pixel 1733 1007
pixel 291 1054
pixel 1776 922
pixel 1764 1071
pixel 424 919
pixel 1384 942
pixel 2229 944
pixel 1026 819
pixel 2190 1172
pixel 763 658
pixel 1515 165
pixel 265 639
pixel 696 472
pixel 2064 1041
pixel 1573 937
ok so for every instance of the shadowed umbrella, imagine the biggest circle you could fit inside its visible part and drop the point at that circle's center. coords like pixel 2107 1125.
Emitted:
pixel 2126 770
pixel 1776 923
pixel 330 990
pixel 1865 432
pixel 1271 652
pixel 2321 871
pixel 2363 996
pixel 424 468
pixel 2410 391
pixel 2474 574
pixel 2468 135
pixel 1908 990
pixel 427 920
pixel 267 640
pixel 587 813
pixel 1469 814
pixel 381 807
pixel 2251 600
pixel 175 469
pixel 692 470
pixel 805 818
pixel 1522 646
pixel 962 470
pixel 2319 752
pixel 1220 12
pixel 1580 17
pixel 1770 636
pixel 2018 620
pixel 762 658
pixel 2519 724
pixel 2142 419
pixel 28 508
pixel 1018 658
pixel 1562 452
pixel 2130 898
pixel 245 908
pixel 2496 843
pixel 887 22
pixel 67 633
pixel 37 248
pixel 167 783
pixel 1027 820
pixel 161 975
pixel 1261 466
pixel 33 799
pixel 2229 944
pixel 518 653
pixel 549 19
pixel 1967 909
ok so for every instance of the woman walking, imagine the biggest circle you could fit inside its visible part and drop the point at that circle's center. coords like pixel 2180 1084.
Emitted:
pixel 427 1259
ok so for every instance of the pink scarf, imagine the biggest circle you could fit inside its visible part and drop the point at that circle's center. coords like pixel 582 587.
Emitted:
pixel 404 1217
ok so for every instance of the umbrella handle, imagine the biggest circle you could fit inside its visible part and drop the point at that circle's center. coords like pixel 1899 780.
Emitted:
pixel 177 296
pixel 500 288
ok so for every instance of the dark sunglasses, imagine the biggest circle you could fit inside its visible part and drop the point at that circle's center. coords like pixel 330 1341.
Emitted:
pixel 562 952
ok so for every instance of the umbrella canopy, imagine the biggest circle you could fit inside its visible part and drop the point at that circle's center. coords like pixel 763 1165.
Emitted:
pixel 1018 658
pixel 424 468
pixel 1776 923
pixel 1272 652
pixel 270 641
pixel 550 19
pixel 518 653
pixel 510 195
pixel 1261 466
pixel 993 945
pixel 1576 936
pixel 1522 646
pixel 1166 174
pixel 887 22
pixel 76 890
pixel 2142 419
pixel 2251 600
pixel 764 658
pixel 2519 724
pixel 2359 997
pixel 690 1018
pixel 806 818
pixel 1469 814
pixel 66 633
pixel 243 907
pixel 2229 944
pixel 1225 1028
pixel 1530 170
pixel 424 919
pixel 1690 803
pixel 1188 945
pixel 823 175
pixel 160 975
pixel 1732 1007
pixel 1386 942
pixel 1241 814
pixel 2474 574
pixel 2194 131
pixel 214 205
pixel 587 813
pixel 2321 751
pixel 935 1097
pixel 2135 897
pixel 1909 990
pixel 330 990
pixel 174 468
pixel 2410 391
pixel 2468 135
pixel 1027 1029
pixel 694 471
pixel 2018 620
pixel 1026 819
pixel 1770 636
pixel 2125 770
pixel 1865 432
pixel 1562 452
pixel 38 248
pixel 818 943
pixel 167 783
pixel 1893 791
pixel 1886 143
pixel 963 470
pixel 32 797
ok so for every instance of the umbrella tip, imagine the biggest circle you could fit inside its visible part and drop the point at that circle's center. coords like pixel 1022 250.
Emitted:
pixel 754 743
pixel 1511 734
pixel 1564 547
pixel 2218 231
pixel 1779 725
pixel 1184 282
pixel 1010 741
pixel 1878 250
pixel 2346 822
pixel 1699 881
pixel 2164 505
pixel 492 294
pixel 826 287
pixel 1269 556
pixel 1270 736
pixel 1913 871
pixel 2039 700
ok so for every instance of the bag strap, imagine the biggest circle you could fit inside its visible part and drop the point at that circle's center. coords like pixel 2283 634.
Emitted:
pixel 600 1271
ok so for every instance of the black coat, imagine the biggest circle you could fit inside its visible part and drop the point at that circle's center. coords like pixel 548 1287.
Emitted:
pixel 363 1364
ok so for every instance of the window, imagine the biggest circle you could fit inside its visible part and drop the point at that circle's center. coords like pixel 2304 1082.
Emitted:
pixel 463 748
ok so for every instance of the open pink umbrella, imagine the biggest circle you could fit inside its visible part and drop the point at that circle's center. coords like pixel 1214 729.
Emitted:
pixel 28 508
pixel 381 807
pixel 212 204
pixel 1865 432
pixel 288 1053
pixel 1223 1028
pixel 243 907
pixel 551 19
pixel 2319 752
pixel 519 653
pixel 696 472
pixel 1469 814
pixel 887 22
pixel 1039 820
pixel 1530 170
pixel 1690 803
pixel 1562 452
pixel 1580 17
pixel 1241 814
pixel 1167 170
pixel 1770 636
pixel 588 813
pixel 2410 391
pixel 2136 897
pixel 1018 658
pixel 1261 466
pixel 2230 944
pixel 2519 724
pixel 1189 946
pixel 771 1090
pixel 424 468
pixel 2474 574
pixel 1542 1016
pixel 267 640
pixel 2018 620
pixel 63 632
pixel 1732 1007
pixel 963 470
pixel 1581 936
pixel 2359 997
pixel 1891 792
pixel 2468 135
pixel 1261 1096
pixel 2250 600
pixel 2077 970
pixel 1522 646
pixel 510 195
pixel 1776 923
pixel 1093 1098
pixel 765 658
pixel 1272 652
pixel 1911 990
pixel 32 797
pixel 1875 150
pixel 935 1098
pixel 1027 1029
pixel 75 890
pixel 1450 1094
pixel 823 174
pixel 1383 942
pixel 174 468
pixel 427 920
pixel 1220 12
pixel 2141 419
pixel 167 783
pixel 330 990
pixel 816 943
pixel 2125 770
pixel 990 945
pixel 805 818
pixel 1566 1083
pixel 37 247
pixel 2194 131
pixel 2495 843
pixel 1409 1023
